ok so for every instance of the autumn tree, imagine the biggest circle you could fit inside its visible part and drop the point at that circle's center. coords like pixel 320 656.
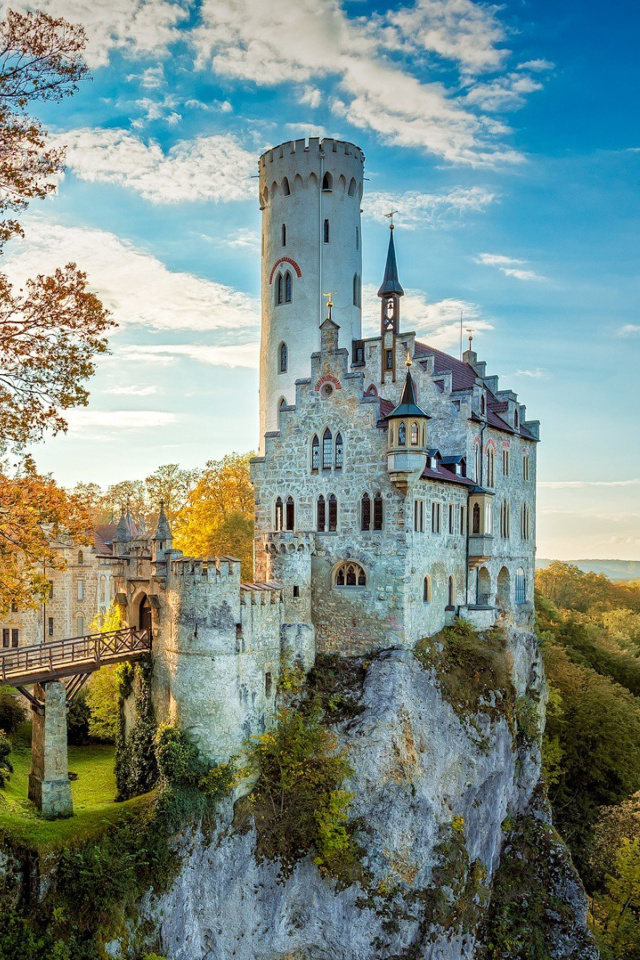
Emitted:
pixel 53 327
pixel 172 485
pixel 218 518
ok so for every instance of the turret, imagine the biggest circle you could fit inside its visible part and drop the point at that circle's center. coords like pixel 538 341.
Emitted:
pixel 125 533
pixel 163 537
pixel 390 292
pixel 310 196
pixel 407 437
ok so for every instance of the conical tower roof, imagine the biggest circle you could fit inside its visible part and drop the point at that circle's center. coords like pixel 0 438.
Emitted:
pixel 391 283
pixel 126 528
pixel 163 530
pixel 408 406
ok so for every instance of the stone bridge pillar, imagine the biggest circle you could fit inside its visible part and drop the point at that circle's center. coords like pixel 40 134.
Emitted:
pixel 49 786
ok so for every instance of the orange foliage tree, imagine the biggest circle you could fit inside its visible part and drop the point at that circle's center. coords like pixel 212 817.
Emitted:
pixel 218 519
pixel 52 328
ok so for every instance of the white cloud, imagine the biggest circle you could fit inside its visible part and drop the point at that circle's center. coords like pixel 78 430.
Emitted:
pixel 509 266
pixel 135 27
pixel 81 420
pixel 629 330
pixel 245 239
pixel 134 391
pixel 414 209
pixel 536 65
pixel 503 93
pixel 534 374
pixel 231 355
pixel 311 96
pixel 270 45
pixel 137 287
pixel 577 484
pixel 438 322
pixel 206 168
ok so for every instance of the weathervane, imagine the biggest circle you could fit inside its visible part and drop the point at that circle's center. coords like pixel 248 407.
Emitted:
pixel 390 216
pixel 470 332
pixel 329 301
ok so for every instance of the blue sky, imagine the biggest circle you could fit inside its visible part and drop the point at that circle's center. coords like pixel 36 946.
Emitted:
pixel 507 137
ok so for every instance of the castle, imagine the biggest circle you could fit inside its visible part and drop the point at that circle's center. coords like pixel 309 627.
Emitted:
pixel 394 490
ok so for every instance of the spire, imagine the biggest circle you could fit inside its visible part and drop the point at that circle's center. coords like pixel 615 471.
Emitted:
pixel 391 283
pixel 408 406
pixel 163 530
pixel 124 533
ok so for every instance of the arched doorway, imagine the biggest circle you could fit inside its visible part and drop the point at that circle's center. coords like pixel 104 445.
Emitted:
pixel 144 615
pixel 483 595
pixel 504 589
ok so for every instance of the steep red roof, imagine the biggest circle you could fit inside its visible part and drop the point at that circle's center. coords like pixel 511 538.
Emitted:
pixel 463 376
pixel 103 536
pixel 446 476
pixel 386 407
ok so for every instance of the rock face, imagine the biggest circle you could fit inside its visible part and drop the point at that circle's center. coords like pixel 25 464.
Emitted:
pixel 432 791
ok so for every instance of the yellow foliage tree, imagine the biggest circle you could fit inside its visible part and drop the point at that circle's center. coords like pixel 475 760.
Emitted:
pixel 218 519
pixel 102 695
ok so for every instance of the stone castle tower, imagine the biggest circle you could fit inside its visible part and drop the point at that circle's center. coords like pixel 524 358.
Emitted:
pixel 310 194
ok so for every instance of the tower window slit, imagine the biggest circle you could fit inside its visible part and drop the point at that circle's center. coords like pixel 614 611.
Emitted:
pixel 290 514
pixel 326 231
pixel 283 358
pixel 284 234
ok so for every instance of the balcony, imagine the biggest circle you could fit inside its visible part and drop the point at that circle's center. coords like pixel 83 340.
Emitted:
pixel 480 547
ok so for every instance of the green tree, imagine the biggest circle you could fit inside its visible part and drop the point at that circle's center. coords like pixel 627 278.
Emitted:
pixel 617 911
pixel 103 690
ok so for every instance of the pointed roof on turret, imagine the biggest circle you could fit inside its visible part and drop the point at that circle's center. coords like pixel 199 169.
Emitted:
pixel 391 282
pixel 127 529
pixel 408 406
pixel 163 530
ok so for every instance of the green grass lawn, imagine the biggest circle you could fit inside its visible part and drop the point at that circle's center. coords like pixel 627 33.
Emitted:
pixel 93 797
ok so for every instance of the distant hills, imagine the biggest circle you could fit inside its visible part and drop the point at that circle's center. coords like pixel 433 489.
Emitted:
pixel 614 569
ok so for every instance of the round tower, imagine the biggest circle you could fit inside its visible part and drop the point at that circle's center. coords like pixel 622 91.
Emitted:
pixel 310 194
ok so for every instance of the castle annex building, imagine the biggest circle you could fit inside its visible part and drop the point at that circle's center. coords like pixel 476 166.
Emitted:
pixel 394 490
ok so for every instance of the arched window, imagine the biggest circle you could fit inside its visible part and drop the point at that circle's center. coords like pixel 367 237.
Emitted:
pixel 339 451
pixel 451 597
pixel 402 434
pixel 80 556
pixel 327 181
pixel 286 189
pixel 287 287
pixel 521 586
pixel 365 512
pixel 478 462
pixel 426 590
pixel 491 467
pixel 353 186
pixel 475 523
pixel 284 234
pixel 315 454
pixel 290 514
pixel 326 231
pixel 414 434
pixel 327 450
pixel 281 405
pixel 525 522
pixel 378 512
pixel 333 512
pixel 525 468
pixel 505 519
pixel 279 514
pixel 350 574
pixel 321 514
pixel 279 289
pixel 283 358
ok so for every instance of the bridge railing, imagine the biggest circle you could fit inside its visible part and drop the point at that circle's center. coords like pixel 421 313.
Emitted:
pixel 88 652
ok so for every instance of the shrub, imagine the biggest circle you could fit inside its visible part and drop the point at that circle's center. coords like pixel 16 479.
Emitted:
pixel 12 713
pixel 78 715
pixel 179 760
pixel 5 763
pixel 102 699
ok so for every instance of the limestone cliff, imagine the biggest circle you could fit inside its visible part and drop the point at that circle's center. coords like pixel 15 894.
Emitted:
pixel 442 799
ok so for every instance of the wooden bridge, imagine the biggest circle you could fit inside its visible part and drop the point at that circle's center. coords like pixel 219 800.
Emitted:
pixel 45 667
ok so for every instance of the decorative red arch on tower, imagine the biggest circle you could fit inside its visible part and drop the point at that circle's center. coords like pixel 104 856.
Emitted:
pixel 285 260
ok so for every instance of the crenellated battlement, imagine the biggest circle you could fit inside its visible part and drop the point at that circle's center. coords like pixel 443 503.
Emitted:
pixel 329 165
pixel 260 594
pixel 313 146
pixel 289 541
pixel 212 569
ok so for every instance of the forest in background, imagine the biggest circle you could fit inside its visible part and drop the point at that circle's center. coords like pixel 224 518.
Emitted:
pixel 589 629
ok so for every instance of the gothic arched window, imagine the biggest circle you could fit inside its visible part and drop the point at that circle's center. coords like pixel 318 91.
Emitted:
pixel 287 287
pixel 321 514
pixel 286 189
pixel 315 454
pixel 491 467
pixel 521 586
pixel 327 450
pixel 402 434
pixel 279 289
pixel 339 451
pixel 283 358
pixel 333 512
pixel 350 574
pixel 290 514
pixel 279 514
pixel 365 512
pixel 327 182
pixel 414 434
pixel 378 512
pixel 475 523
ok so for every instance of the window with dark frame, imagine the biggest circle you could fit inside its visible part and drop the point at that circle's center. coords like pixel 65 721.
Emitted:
pixel 365 512
pixel 378 512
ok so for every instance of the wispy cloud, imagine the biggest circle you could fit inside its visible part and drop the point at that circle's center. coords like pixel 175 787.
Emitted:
pixel 231 355
pixel 509 266
pixel 577 484
pixel 438 322
pixel 133 391
pixel 207 168
pixel 415 209
pixel 118 272
pixel 629 330
pixel 81 420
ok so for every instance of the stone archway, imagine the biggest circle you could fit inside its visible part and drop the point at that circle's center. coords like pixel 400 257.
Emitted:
pixel 483 593
pixel 504 589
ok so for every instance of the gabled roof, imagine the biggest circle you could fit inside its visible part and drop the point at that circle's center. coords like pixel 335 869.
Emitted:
pixel 103 537
pixel 463 376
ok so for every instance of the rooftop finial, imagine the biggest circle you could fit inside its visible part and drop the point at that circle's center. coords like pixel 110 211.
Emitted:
pixel 470 332
pixel 329 297
pixel 391 282
pixel 391 215
pixel 408 361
